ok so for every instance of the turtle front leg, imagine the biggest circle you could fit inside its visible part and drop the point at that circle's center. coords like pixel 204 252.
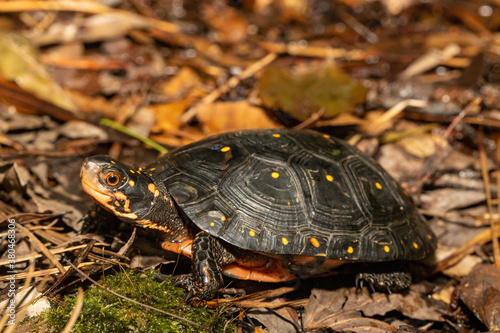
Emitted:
pixel 209 255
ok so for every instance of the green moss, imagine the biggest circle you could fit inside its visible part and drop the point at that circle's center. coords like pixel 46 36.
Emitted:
pixel 104 312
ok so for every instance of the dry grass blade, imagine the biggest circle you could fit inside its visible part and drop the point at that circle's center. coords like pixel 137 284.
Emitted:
pixel 43 272
pixel 297 49
pixel 82 6
pixel 433 161
pixel 495 222
pixel 466 249
pixel 82 274
pixel 376 126
pixel 313 119
pixel 253 300
pixel 76 312
pixel 54 251
pixel 22 311
pixel 42 248
pixel 231 83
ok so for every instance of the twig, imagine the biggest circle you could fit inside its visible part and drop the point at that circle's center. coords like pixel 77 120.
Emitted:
pixel 42 248
pixel 82 274
pixel 431 163
pixel 311 120
pixel 229 84
pixel 76 312
pixel 82 6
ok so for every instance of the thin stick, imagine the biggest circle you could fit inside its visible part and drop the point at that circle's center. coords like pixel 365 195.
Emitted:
pixel 494 221
pixel 41 247
pixel 76 312
pixel 229 84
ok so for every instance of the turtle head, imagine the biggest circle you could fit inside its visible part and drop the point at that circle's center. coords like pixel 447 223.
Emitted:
pixel 127 193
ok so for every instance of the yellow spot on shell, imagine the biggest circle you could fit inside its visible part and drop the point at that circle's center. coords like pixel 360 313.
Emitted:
pixel 225 149
pixel 276 135
pixel 251 233
pixel 387 249
pixel 329 178
pixel 378 186
pixel 326 136
pixel 132 171
pixel 275 175
pixel 223 218
pixel 314 242
pixel 157 193
pixel 284 240
pixel 212 224
pixel 113 162
pixel 350 250
pixel 152 169
pixel 429 236
pixel 288 203
pixel 415 245
pixel 131 183
pixel 152 188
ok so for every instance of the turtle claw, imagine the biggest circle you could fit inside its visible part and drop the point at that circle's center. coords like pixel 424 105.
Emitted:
pixel 195 292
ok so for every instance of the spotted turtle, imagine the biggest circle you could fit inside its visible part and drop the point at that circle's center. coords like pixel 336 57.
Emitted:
pixel 265 205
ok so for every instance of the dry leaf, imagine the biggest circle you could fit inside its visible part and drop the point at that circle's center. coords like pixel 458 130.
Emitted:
pixel 232 116
pixel 480 291
pixel 301 93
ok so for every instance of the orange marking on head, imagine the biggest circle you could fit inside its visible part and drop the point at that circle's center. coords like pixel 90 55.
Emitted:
pixel 276 135
pixel 225 149
pixel 127 205
pixel 120 196
pixel 152 188
pixel 131 183
pixel 326 136
pixel 314 242
pixel 117 203
pixel 152 169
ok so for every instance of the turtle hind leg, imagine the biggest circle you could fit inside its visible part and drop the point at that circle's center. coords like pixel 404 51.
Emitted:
pixel 385 282
pixel 209 255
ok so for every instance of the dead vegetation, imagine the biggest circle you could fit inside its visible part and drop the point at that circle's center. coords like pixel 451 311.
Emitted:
pixel 415 84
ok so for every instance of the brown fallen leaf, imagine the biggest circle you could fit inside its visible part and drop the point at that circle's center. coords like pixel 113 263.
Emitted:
pixel 446 199
pixel 480 291
pixel 283 320
pixel 328 307
pixel 223 117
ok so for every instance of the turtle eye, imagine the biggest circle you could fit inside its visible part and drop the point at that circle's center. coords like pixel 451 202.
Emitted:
pixel 112 178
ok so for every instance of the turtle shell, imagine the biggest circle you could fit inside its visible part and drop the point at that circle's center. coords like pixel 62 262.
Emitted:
pixel 286 192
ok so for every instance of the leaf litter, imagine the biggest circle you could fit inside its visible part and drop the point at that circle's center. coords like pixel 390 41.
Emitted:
pixel 413 84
